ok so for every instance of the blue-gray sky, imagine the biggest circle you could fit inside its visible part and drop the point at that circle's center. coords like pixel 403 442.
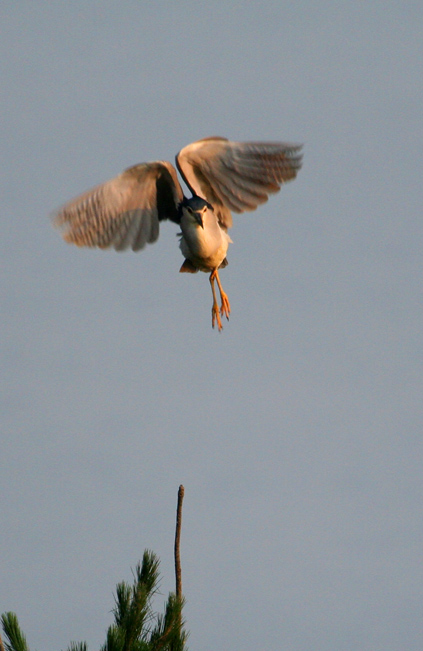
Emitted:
pixel 297 432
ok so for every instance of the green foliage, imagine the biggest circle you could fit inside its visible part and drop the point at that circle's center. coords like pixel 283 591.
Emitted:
pixel 133 605
pixel 12 630
pixel 136 626
pixel 168 632
pixel 77 646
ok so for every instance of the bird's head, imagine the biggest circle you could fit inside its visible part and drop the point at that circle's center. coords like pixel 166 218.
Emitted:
pixel 194 210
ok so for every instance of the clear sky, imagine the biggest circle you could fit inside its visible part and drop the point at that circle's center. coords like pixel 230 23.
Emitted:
pixel 297 431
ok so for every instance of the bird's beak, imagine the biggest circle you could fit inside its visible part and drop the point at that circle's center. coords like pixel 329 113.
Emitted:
pixel 199 218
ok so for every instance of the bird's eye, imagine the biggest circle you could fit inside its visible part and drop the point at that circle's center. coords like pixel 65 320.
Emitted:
pixel 189 210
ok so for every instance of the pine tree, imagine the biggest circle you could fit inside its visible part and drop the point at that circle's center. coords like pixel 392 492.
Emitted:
pixel 136 626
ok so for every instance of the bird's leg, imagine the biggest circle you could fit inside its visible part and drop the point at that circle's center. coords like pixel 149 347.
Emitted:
pixel 225 308
pixel 215 307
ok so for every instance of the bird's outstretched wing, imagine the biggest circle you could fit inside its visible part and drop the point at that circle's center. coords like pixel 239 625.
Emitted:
pixel 237 176
pixel 124 211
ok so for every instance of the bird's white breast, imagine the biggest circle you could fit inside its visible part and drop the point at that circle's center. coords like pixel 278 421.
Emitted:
pixel 205 247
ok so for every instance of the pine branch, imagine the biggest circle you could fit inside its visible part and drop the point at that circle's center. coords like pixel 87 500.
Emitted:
pixel 148 574
pixel 122 603
pixel 13 633
pixel 133 609
pixel 115 639
pixel 145 586
pixel 167 634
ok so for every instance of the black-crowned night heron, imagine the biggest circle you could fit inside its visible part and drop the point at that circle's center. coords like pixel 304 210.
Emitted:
pixel 222 176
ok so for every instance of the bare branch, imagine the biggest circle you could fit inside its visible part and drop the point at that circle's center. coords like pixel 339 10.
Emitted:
pixel 178 573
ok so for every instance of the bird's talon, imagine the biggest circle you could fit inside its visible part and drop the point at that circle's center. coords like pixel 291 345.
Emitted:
pixel 225 308
pixel 216 318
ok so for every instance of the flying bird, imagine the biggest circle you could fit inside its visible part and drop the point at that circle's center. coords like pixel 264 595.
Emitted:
pixel 222 175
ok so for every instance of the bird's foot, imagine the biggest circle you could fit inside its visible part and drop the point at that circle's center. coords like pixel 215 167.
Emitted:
pixel 225 308
pixel 216 317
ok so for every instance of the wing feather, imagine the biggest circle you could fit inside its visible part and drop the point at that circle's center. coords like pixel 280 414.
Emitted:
pixel 125 211
pixel 237 176
pixel 228 193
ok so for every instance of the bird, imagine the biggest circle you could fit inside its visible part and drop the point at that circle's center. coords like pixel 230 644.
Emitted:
pixel 223 176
